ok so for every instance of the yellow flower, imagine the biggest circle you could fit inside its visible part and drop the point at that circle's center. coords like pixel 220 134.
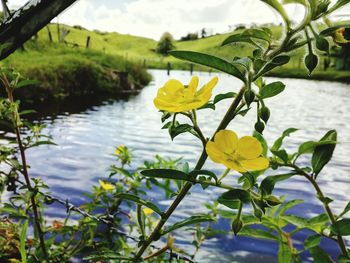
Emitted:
pixel 175 97
pixel 147 211
pixel 241 155
pixel 120 149
pixel 106 186
pixel 340 37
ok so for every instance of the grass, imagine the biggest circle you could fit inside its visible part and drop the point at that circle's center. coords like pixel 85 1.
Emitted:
pixel 65 69
pixel 141 50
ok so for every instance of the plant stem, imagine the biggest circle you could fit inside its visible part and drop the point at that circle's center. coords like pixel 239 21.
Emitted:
pixel 327 208
pixel 25 170
pixel 157 230
pixel 224 175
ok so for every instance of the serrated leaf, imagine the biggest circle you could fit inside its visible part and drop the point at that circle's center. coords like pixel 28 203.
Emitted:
pixel 209 61
pixel 271 90
pixel 188 221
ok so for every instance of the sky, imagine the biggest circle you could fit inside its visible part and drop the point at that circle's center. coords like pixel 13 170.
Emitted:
pixel 151 18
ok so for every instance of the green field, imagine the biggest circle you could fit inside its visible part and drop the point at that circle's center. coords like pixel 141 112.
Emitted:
pixel 65 68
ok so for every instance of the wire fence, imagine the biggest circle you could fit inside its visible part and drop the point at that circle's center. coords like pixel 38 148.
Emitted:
pixel 107 221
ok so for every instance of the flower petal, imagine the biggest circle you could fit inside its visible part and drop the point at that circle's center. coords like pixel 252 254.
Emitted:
pixel 215 153
pixel 205 91
pixel 234 165
pixel 192 87
pixel 257 164
pixel 161 104
pixel 226 141
pixel 249 147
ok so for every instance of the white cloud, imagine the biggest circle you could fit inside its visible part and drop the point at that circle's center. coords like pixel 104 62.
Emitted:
pixel 150 18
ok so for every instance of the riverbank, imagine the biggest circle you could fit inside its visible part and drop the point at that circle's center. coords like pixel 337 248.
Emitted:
pixel 63 71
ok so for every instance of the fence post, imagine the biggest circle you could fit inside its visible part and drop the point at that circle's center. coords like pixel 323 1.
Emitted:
pixel 168 68
pixel 88 42
pixel 191 69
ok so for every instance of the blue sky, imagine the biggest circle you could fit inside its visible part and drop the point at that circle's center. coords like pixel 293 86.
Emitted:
pixel 150 18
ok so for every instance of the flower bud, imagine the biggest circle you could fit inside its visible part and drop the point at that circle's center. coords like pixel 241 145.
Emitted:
pixel 249 96
pixel 259 126
pixel 264 114
pixel 237 225
pixel 273 200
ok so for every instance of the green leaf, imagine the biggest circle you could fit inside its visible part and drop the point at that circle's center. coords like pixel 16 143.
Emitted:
pixel 268 184
pixel 299 222
pixel 271 90
pixel 323 153
pixel 282 154
pixel 341 227
pixel 257 233
pixel 275 4
pixel 188 221
pixel 166 174
pixel 236 194
pixel 195 173
pixel 337 5
pixel 278 143
pixel 311 62
pixel 108 256
pixel 209 61
pixel 346 209
pixel 139 201
pixel 262 140
pixel 284 253
pixel 23 239
pixel 312 241
pixel 309 146
pixel 26 83
pixel 236 38
pixel 330 31
pixel 179 129
pixel 319 255
pixel 288 205
pixel 233 204
pixel 322 44
pixel 275 62
pixel 224 96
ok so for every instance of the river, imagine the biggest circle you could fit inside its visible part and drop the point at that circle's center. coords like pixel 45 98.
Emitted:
pixel 86 141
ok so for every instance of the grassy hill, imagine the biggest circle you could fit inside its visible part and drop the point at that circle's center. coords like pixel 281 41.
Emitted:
pixel 72 65
pixel 141 50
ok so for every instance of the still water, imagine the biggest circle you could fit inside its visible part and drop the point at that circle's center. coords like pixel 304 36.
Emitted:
pixel 86 141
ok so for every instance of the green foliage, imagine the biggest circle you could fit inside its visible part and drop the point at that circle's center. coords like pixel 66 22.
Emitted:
pixel 165 44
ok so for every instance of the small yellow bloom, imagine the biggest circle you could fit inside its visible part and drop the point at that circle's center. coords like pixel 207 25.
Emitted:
pixel 339 36
pixel 241 155
pixel 175 97
pixel 147 211
pixel 170 241
pixel 106 186
pixel 120 149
